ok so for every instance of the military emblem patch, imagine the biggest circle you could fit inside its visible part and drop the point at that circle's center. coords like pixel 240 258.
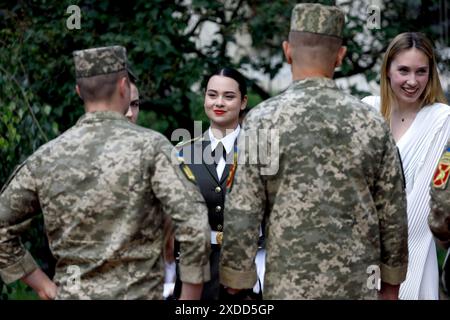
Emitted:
pixel 440 177
pixel 185 168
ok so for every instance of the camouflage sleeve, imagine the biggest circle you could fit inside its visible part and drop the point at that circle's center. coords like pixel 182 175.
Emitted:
pixel 390 201
pixel 244 209
pixel 18 204
pixel 183 202
pixel 439 217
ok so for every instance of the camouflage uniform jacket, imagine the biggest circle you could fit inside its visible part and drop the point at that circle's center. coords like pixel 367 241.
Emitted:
pixel 439 218
pixel 335 206
pixel 103 187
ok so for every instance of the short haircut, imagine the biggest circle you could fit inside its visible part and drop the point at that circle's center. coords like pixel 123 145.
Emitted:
pixel 233 74
pixel 100 87
pixel 325 46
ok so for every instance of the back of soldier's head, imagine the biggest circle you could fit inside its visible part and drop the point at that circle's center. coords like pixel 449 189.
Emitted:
pixel 316 32
pixel 98 71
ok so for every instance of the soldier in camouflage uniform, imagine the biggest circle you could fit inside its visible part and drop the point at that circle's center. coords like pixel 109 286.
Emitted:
pixel 439 218
pixel 101 187
pixel 336 205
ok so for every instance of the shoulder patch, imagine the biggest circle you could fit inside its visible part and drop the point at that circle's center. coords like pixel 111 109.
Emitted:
pixel 441 175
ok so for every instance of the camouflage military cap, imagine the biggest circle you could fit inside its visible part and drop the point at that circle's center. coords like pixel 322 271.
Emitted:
pixel 98 61
pixel 318 18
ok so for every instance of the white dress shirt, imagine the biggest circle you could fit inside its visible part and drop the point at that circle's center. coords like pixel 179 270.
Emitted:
pixel 228 144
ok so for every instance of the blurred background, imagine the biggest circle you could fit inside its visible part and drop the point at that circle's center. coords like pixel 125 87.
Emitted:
pixel 172 46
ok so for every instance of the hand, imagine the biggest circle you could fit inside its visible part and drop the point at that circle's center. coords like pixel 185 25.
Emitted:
pixel 44 287
pixel 388 291
pixel 190 291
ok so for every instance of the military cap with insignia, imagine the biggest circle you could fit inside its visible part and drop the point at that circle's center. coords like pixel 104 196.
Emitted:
pixel 99 61
pixel 317 18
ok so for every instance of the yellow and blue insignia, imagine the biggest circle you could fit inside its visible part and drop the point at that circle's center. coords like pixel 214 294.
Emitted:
pixel 441 175
pixel 233 168
pixel 183 166
pixel 188 172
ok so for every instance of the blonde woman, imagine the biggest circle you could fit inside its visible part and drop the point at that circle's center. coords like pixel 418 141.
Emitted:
pixel 414 106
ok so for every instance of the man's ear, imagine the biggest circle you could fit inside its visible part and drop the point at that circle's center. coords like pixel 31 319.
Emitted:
pixel 124 87
pixel 77 89
pixel 341 55
pixel 287 51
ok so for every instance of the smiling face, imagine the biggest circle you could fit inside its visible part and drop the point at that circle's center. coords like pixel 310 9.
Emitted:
pixel 409 74
pixel 223 102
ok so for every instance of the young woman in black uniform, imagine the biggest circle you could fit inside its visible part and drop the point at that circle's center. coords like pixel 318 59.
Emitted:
pixel 225 98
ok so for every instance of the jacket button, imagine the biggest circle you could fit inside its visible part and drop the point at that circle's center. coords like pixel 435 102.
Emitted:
pixel 218 189
pixel 218 209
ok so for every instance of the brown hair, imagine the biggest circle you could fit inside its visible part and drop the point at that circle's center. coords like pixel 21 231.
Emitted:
pixel 101 87
pixel 325 47
pixel 405 41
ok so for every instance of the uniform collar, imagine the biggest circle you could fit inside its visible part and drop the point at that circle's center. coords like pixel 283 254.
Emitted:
pixel 99 116
pixel 227 141
pixel 315 82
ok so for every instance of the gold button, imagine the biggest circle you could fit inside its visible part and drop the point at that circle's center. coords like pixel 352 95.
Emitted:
pixel 218 209
pixel 219 227
pixel 218 189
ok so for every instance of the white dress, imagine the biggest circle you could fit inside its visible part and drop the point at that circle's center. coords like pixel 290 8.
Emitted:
pixel 420 148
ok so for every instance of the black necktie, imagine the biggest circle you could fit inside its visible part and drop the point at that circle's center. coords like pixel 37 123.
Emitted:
pixel 218 153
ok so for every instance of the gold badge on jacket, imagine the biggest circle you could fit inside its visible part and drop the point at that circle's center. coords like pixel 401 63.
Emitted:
pixel 219 238
pixel 441 175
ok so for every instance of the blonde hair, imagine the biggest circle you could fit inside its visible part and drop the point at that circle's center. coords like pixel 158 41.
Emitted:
pixel 433 91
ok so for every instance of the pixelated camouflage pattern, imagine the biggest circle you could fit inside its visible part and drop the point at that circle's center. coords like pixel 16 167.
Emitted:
pixel 318 18
pixel 439 217
pixel 98 61
pixel 104 186
pixel 336 205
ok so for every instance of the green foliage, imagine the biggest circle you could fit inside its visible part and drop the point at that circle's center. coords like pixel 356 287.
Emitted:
pixel 37 96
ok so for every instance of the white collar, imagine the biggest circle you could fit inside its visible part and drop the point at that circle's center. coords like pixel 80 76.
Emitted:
pixel 227 141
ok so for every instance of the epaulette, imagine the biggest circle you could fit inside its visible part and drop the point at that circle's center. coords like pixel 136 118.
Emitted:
pixel 183 166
